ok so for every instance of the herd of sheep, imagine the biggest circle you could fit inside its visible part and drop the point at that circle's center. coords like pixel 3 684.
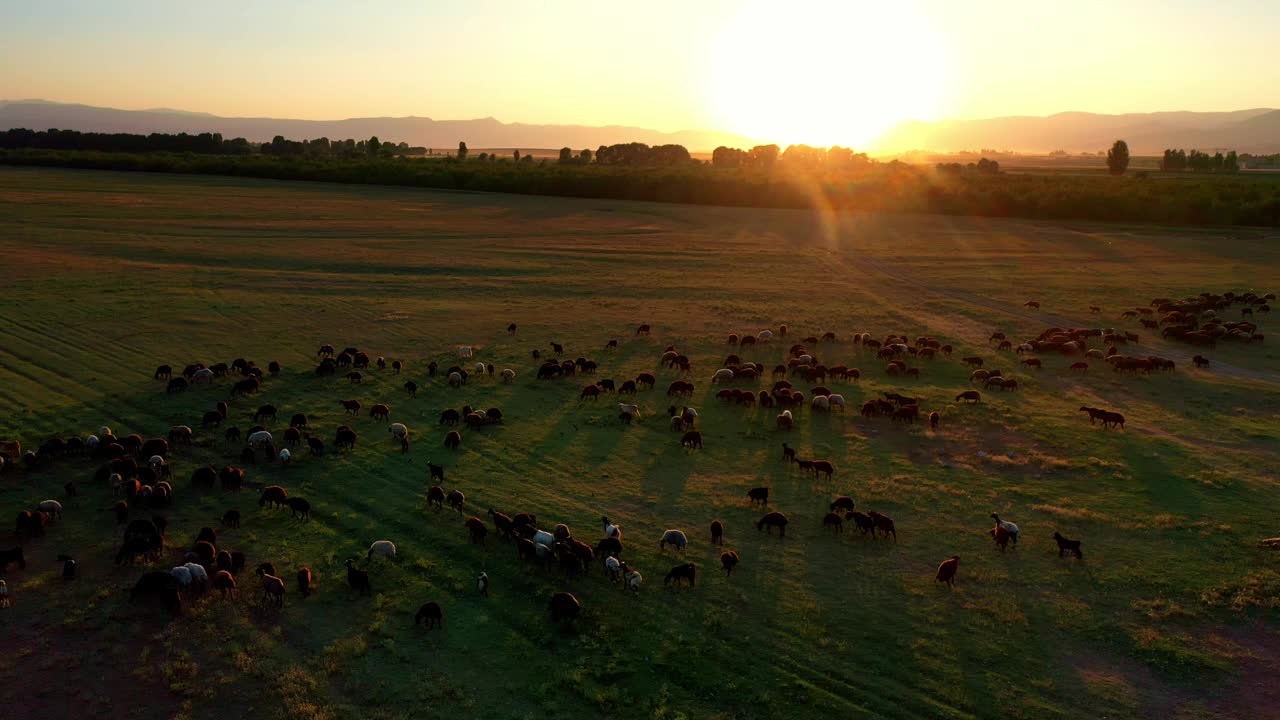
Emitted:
pixel 139 472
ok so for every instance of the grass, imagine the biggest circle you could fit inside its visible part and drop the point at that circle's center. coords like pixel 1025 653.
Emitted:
pixel 108 275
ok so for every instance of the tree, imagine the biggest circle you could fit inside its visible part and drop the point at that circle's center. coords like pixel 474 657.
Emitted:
pixel 462 151
pixel 1118 158
pixel 1232 163
pixel 374 146
pixel 585 157
pixel 517 155
pixel 566 155
pixel 764 155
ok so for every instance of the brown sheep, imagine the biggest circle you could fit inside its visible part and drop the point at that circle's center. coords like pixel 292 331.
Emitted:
pixel 970 395
pixel 947 571
pixel 833 520
pixel 692 439
pixel 431 615
pixel 717 532
pixel 453 440
pixel 772 520
pixel 728 561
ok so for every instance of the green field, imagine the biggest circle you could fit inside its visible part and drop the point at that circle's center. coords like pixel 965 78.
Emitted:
pixel 1169 615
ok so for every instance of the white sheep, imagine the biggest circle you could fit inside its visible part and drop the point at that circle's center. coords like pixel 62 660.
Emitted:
pixel 722 375
pixel 464 351
pixel 804 360
pixel 156 462
pixel 92 442
pixel 104 431
pixel 182 574
pixel 633 579
pixel 203 375
pixel 259 439
pixel 690 416
pixel 821 402
pixel 542 537
pixel 764 336
pixel 480 368
pixel 613 567
pixel 399 430
pixel 675 538
pixel 115 481
pixel 198 574
pixel 508 375
pixel 285 456
pixel 382 548
pixel 837 401
pixel 52 507
pixel 630 408
pixel 455 379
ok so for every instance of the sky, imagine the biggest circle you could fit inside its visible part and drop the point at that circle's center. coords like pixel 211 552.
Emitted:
pixel 817 71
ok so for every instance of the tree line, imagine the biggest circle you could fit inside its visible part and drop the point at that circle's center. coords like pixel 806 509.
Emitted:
pixel 203 143
pixel 1195 161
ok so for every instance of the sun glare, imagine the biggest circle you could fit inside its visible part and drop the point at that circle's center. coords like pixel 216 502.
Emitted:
pixel 835 72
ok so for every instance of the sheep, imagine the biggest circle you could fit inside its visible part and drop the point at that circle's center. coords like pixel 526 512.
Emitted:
pixel 1001 537
pixel 728 561
pixel 834 521
pixel 456 499
pixel 722 375
pixel 453 440
pixel 680 573
pixel 51 507
pixel 610 530
pixel 564 606
pixel 182 574
pixel 299 507
pixel 820 467
pixel 758 495
pixel 633 578
pixel 717 532
pixel 691 440
pixel 772 520
pixel 272 587
pixel 260 439
pixel 884 524
pixel 1067 546
pixel 947 571
pixel 358 579
pixel 305 580
pixel 69 567
pixel 675 538
pixel 843 502
pixel 785 420
pixel 398 430
pixel 382 548
pixel 1008 527
pixel 613 568
pixel 224 581
pixel 273 494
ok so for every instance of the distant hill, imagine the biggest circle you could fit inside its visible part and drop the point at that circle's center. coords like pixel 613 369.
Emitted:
pixel 438 134
pixel 1254 131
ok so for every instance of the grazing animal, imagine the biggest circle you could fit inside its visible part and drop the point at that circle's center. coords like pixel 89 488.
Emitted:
pixel 305 580
pixel 272 587
pixel 453 440
pixel 844 502
pixel 564 606
pixel 822 467
pixel 273 494
pixel 1001 537
pixel 231 518
pixel 772 520
pixel 482 584
pixel 299 507
pixel 883 524
pixel 692 439
pixel 758 495
pixel 728 561
pixel 224 581
pixel 1008 527
pixel 382 548
pixel 933 420
pixel 717 532
pixel 358 579
pixel 947 571
pixel 680 573
pixel 970 395
pixel 456 499
pixel 834 521
pixel 1067 546
pixel 430 614
pixel 631 578
pixel 674 538
pixel 1200 361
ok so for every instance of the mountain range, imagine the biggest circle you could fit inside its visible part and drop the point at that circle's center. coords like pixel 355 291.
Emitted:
pixel 417 131
pixel 1253 131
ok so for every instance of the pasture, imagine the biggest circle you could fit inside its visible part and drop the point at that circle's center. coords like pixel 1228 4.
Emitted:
pixel 1170 613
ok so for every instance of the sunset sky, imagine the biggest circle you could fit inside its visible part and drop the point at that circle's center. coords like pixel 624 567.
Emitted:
pixel 821 72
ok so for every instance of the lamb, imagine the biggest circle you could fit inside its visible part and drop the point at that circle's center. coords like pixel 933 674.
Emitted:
pixel 613 567
pixel 680 573
pixel 1067 546
pixel 382 548
pixel 675 538
pixel 947 571
pixel 610 530
pixel 1008 527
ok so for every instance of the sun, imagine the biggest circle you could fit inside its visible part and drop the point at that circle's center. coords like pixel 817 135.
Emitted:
pixel 834 72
